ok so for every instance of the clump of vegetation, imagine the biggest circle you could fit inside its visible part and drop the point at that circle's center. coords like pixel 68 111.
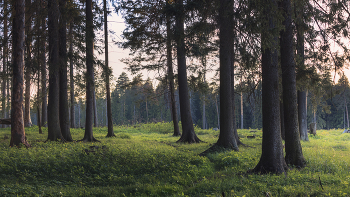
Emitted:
pixel 146 161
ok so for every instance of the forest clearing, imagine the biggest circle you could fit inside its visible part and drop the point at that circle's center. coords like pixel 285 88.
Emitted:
pixel 145 160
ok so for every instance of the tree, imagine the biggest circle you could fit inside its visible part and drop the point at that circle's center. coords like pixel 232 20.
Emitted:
pixel 28 62
pixel 171 74
pixel 43 67
pixel 18 135
pixel 4 65
pixel 53 123
pixel 88 136
pixel 271 160
pixel 294 154
pixel 63 82
pixel 107 74
pixel 70 55
pixel 227 138
pixel 188 134
pixel 301 94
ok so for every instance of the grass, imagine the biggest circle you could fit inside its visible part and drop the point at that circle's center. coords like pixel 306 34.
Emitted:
pixel 145 160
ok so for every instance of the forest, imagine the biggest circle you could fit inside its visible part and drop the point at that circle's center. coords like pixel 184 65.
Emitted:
pixel 248 98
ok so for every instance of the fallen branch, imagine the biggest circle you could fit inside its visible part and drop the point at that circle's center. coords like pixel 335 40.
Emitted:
pixel 5 121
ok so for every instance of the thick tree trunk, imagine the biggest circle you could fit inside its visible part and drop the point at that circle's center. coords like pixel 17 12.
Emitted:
pixel 271 160
pixel 63 94
pixel 53 123
pixel 94 105
pixel 171 76
pixel 107 71
pixel 28 62
pixel 43 71
pixel 217 111
pixel 302 112
pixel 188 134
pixel 72 99
pixel 88 136
pixel 17 123
pixel 294 153
pixel 227 138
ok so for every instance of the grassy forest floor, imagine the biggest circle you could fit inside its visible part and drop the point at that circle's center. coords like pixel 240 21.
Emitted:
pixel 145 160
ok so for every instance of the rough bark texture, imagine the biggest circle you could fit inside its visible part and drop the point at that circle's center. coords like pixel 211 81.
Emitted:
pixel 226 138
pixel 302 115
pixel 188 134
pixel 72 110
pixel 17 123
pixel 283 130
pixel 294 154
pixel 107 73
pixel 88 136
pixel 43 70
pixel 63 95
pixel 53 123
pixel 28 62
pixel 171 76
pixel 271 160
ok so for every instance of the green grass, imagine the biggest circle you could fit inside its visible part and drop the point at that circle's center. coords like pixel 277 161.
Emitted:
pixel 145 160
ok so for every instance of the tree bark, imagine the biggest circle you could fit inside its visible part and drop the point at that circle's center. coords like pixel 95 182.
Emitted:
pixel 28 62
pixel 88 136
pixel 54 129
pixel 294 154
pixel 72 99
pixel 43 70
pixel 283 129
pixel 302 115
pixel 18 135
pixel 241 110
pixel 107 73
pixel 171 75
pixel 271 160
pixel 63 94
pixel 188 134
pixel 302 99
pixel 227 138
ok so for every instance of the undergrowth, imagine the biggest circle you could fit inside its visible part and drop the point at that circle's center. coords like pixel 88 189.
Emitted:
pixel 145 160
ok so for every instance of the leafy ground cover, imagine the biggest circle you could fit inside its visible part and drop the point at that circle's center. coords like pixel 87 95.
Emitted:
pixel 145 160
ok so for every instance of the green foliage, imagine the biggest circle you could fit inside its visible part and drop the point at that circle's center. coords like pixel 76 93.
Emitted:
pixel 145 160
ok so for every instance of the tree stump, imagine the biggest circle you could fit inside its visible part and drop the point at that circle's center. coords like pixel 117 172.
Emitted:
pixel 312 128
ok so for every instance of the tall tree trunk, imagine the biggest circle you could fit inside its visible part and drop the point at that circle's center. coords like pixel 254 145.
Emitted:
pixel 63 94
pixel 302 109
pixel 188 134
pixel 271 160
pixel 107 73
pixel 38 100
pixel 53 123
pixel 70 54
pixel 217 111
pixel 18 135
pixel 171 75
pixel 88 136
pixel 302 115
pixel 79 106
pixel 43 70
pixel 227 138
pixel 4 67
pixel 294 153
pixel 28 62
pixel 346 113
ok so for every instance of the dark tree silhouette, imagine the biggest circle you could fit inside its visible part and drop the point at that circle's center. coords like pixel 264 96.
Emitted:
pixel 271 160
pixel 188 134
pixel 17 124
pixel 294 154
pixel 53 123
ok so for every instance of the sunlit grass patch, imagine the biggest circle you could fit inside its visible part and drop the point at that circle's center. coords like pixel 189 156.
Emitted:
pixel 145 160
